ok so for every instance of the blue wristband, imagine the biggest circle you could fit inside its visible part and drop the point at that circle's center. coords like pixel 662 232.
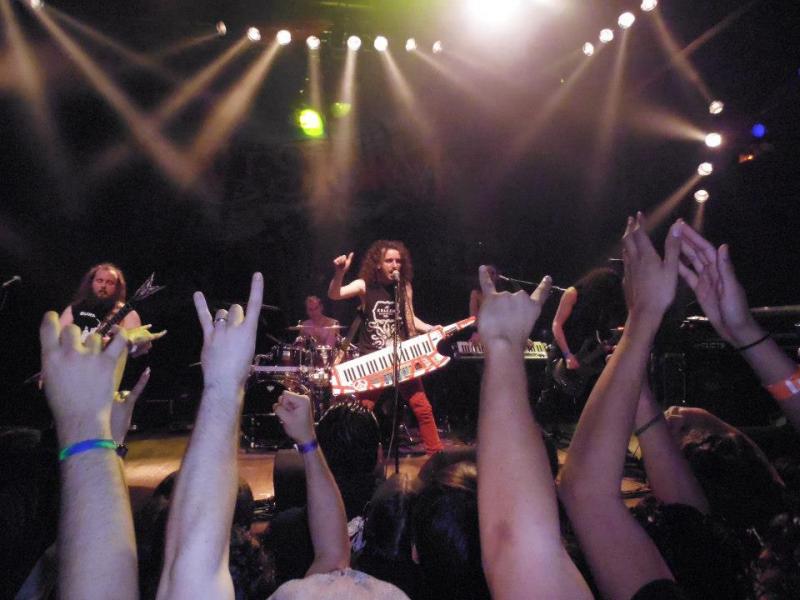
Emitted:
pixel 86 445
pixel 307 447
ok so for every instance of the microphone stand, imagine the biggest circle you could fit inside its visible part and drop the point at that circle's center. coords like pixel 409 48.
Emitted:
pixel 395 376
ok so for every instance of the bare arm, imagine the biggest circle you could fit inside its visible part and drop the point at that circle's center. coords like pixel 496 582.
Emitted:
pixel 563 312
pixel 198 530
pixel 337 291
pixel 620 553
pixel 712 278
pixel 474 303
pixel 518 515
pixel 420 325
pixel 327 521
pixel 97 550
pixel 670 476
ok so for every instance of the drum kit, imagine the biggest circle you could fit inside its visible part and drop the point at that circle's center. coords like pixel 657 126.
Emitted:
pixel 302 366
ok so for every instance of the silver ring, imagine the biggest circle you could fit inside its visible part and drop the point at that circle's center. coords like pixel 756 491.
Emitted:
pixel 220 319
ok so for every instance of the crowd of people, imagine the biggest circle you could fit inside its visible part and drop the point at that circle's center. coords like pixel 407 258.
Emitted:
pixel 500 520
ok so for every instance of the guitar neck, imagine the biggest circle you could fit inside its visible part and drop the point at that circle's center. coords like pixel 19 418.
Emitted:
pixel 114 319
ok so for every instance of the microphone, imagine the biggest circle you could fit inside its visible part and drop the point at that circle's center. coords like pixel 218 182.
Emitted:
pixel 523 282
pixel 11 281
pixel 395 276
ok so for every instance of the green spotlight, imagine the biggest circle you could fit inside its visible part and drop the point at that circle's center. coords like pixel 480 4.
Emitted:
pixel 311 123
pixel 341 109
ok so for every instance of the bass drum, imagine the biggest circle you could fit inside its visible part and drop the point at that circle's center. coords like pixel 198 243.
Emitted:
pixel 261 394
pixel 260 428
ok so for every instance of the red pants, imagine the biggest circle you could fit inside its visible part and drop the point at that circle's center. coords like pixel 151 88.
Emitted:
pixel 413 393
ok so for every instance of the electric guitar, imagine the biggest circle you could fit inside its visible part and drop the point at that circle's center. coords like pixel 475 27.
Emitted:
pixel 591 358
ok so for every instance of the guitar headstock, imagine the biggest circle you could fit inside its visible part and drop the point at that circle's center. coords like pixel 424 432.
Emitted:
pixel 147 289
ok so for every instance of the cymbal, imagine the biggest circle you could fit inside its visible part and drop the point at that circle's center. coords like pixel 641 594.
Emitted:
pixel 302 327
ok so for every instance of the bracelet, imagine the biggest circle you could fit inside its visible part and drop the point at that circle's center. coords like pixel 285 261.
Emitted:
pixel 756 343
pixel 648 425
pixel 783 390
pixel 307 447
pixel 85 445
pixel 566 354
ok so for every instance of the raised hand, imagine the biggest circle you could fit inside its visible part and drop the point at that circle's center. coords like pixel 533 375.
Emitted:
pixel 229 339
pixel 713 281
pixel 122 407
pixel 141 339
pixel 649 281
pixel 342 263
pixel 509 317
pixel 79 379
pixel 294 412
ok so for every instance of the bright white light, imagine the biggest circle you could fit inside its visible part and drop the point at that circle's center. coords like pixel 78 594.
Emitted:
pixel 283 37
pixel 222 29
pixel 705 169
pixel 588 49
pixel 492 13
pixel 312 42
pixel 381 43
pixel 354 42
pixel 253 34
pixel 625 20
pixel 713 140
pixel 648 5
pixel 437 47
pixel 701 196
pixel 716 107
pixel 606 35
pixel 411 45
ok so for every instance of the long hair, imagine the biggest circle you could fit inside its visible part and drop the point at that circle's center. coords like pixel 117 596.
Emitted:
pixel 372 260
pixel 85 288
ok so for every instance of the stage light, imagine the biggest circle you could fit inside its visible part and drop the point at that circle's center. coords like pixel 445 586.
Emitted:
pixel 312 42
pixel 354 42
pixel 606 35
pixel 625 20
pixel 381 43
pixel 437 47
pixel 222 29
pixel 705 169
pixel 283 37
pixel 411 45
pixel 648 5
pixel 588 49
pixel 311 123
pixel 37 4
pixel 253 34
pixel 759 130
pixel 716 107
pixel 341 109
pixel 701 196
pixel 713 140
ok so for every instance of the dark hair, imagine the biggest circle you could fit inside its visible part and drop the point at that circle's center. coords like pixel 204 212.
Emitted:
pixel 601 295
pixel 445 518
pixel 85 287
pixel 737 482
pixel 706 558
pixel 349 436
pixel 777 570
pixel 372 260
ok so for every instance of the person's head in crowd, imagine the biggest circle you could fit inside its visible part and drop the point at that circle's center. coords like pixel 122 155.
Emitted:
pixel 600 294
pixel 740 487
pixel 446 536
pixel 349 436
pixel 388 536
pixel 777 570
pixel 706 558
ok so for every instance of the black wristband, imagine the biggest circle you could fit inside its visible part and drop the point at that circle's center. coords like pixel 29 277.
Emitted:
pixel 648 425
pixel 756 343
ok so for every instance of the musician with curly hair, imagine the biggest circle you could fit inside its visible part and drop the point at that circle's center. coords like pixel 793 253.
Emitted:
pixel 387 263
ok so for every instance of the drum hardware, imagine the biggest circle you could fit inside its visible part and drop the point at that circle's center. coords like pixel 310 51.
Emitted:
pixel 300 327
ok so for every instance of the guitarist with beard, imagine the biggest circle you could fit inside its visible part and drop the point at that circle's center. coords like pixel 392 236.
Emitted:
pixel 587 314
pixel 102 293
